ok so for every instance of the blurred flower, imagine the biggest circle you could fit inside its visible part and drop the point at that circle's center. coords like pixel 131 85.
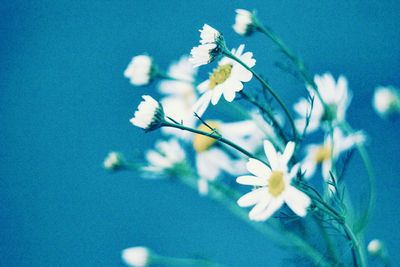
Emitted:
pixel 336 98
pixel 273 185
pixel 181 111
pixel 243 22
pixel 386 101
pixel 114 161
pixel 136 256
pixel 140 70
pixel 166 156
pixel 210 46
pixel 212 160
pixel 149 114
pixel 226 79
pixel 181 84
pixel 375 247
pixel 327 153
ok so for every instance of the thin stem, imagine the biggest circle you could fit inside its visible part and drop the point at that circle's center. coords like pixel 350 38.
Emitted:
pixel 371 181
pixel 271 116
pixel 292 57
pixel 216 137
pixel 228 196
pixel 328 240
pixel 268 87
pixel 172 261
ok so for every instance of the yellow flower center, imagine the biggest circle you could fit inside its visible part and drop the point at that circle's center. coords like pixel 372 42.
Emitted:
pixel 202 143
pixel 220 75
pixel 276 184
pixel 322 154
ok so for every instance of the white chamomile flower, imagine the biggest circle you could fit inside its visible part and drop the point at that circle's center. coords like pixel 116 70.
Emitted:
pixel 386 101
pixel 226 79
pixel 181 84
pixel 140 70
pixel 166 156
pixel 180 109
pixel 244 22
pixel 114 161
pixel 327 153
pixel 149 114
pixel 273 185
pixel 336 98
pixel 211 41
pixel 136 256
pixel 212 160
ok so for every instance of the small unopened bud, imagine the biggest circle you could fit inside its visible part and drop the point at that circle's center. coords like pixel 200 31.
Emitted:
pixel 386 101
pixel 136 256
pixel 375 247
pixel 114 161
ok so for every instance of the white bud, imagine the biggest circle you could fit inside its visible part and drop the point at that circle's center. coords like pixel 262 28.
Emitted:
pixel 375 247
pixel 386 101
pixel 113 161
pixel 136 256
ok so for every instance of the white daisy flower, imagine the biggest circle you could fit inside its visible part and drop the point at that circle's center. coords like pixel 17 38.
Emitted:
pixel 136 256
pixel 386 101
pixel 335 96
pixel 226 80
pixel 114 161
pixel 243 22
pixel 149 114
pixel 209 48
pixel 166 156
pixel 181 85
pixel 273 185
pixel 212 160
pixel 140 70
pixel 325 154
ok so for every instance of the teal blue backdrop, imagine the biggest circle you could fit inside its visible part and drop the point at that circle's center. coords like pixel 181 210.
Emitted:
pixel 64 104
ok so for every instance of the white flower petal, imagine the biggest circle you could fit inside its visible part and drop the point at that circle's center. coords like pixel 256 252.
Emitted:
pixel 251 180
pixel 271 154
pixel 297 201
pixel 252 197
pixel 258 168
pixel 273 206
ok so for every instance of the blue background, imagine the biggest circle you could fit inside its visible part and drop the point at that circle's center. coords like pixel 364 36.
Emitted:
pixel 64 104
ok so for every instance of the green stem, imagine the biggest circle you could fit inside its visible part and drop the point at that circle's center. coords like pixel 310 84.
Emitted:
pixel 371 181
pixel 329 244
pixel 216 137
pixel 292 57
pixel 172 261
pixel 228 54
pixel 227 197
pixel 271 116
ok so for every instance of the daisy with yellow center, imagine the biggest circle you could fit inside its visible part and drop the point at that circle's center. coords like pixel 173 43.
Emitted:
pixel 212 160
pixel 326 154
pixel 272 185
pixel 226 79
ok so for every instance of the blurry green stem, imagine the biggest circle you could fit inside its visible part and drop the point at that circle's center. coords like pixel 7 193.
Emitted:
pixel 214 135
pixel 228 54
pixel 271 116
pixel 228 197
pixel 172 261
pixel 292 57
pixel 371 181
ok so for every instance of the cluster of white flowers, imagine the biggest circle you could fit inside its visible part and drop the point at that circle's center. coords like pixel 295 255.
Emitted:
pixel 257 142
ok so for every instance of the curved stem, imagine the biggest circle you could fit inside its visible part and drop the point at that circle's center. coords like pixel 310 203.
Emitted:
pixel 271 116
pixel 228 197
pixel 292 57
pixel 268 87
pixel 371 181
pixel 215 136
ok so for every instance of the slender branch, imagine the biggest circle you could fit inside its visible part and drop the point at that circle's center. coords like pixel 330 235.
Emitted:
pixel 216 137
pixel 228 54
pixel 271 116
